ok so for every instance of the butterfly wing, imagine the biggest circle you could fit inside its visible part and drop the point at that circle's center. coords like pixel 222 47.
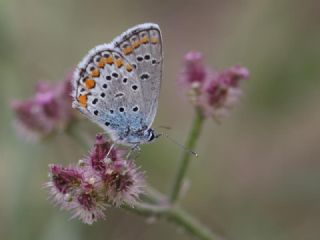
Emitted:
pixel 142 46
pixel 118 90
pixel 106 89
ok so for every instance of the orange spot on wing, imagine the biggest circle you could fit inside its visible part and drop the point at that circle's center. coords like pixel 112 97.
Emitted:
pixel 118 62
pixel 154 40
pixel 109 60
pixel 127 50
pixel 135 44
pixel 90 83
pixel 144 39
pixel 102 62
pixel 82 99
pixel 95 73
pixel 129 68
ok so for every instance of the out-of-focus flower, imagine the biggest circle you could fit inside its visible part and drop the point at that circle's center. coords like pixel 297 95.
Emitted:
pixel 47 111
pixel 214 93
pixel 101 179
pixel 194 70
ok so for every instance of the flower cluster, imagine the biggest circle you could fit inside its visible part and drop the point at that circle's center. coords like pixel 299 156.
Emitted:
pixel 101 179
pixel 214 93
pixel 47 111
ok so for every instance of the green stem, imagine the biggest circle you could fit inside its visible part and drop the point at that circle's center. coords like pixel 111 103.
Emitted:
pixel 176 215
pixel 73 131
pixel 186 156
pixel 192 225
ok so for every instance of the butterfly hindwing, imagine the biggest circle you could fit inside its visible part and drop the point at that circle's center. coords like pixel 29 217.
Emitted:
pixel 107 90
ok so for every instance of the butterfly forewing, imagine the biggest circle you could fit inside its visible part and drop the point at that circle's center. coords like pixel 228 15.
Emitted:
pixel 142 46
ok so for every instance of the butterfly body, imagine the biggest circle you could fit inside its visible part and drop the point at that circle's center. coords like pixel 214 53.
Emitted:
pixel 117 85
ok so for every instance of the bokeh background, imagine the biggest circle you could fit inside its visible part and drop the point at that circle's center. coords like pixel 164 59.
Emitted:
pixel 258 173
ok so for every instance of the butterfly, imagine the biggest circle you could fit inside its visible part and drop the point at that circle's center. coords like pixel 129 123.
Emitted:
pixel 117 85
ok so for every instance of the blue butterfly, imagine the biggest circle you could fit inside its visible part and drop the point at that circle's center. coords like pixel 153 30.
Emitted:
pixel 117 85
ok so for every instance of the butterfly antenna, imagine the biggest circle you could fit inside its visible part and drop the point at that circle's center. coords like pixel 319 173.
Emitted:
pixel 164 127
pixel 179 144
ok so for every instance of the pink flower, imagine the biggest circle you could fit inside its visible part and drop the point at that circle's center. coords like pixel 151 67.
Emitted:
pixel 102 179
pixel 213 93
pixel 47 111
pixel 71 190
pixel 124 182
pixel 64 183
pixel 101 148
pixel 193 70
pixel 88 206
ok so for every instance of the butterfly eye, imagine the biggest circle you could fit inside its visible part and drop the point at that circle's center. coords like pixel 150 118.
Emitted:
pixel 151 135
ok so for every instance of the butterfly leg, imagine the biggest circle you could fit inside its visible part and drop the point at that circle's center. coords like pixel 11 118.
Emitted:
pixel 135 149
pixel 110 149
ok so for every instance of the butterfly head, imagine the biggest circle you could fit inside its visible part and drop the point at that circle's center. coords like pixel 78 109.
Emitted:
pixel 151 135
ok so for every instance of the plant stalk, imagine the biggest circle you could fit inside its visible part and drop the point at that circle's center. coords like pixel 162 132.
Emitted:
pixel 186 156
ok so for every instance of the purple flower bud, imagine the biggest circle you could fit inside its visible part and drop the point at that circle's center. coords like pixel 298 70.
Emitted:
pixel 98 155
pixel 124 182
pixel 65 179
pixel 63 183
pixel 233 75
pixel 69 189
pixel 193 70
pixel 30 119
pixel 214 93
pixel 88 207
pixel 222 91
pixel 48 110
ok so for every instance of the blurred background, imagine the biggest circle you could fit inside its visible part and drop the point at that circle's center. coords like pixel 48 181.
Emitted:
pixel 258 173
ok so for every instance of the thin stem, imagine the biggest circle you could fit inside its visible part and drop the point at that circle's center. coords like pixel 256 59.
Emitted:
pixel 175 215
pixel 186 156
pixel 73 131
pixel 192 225
pixel 147 210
